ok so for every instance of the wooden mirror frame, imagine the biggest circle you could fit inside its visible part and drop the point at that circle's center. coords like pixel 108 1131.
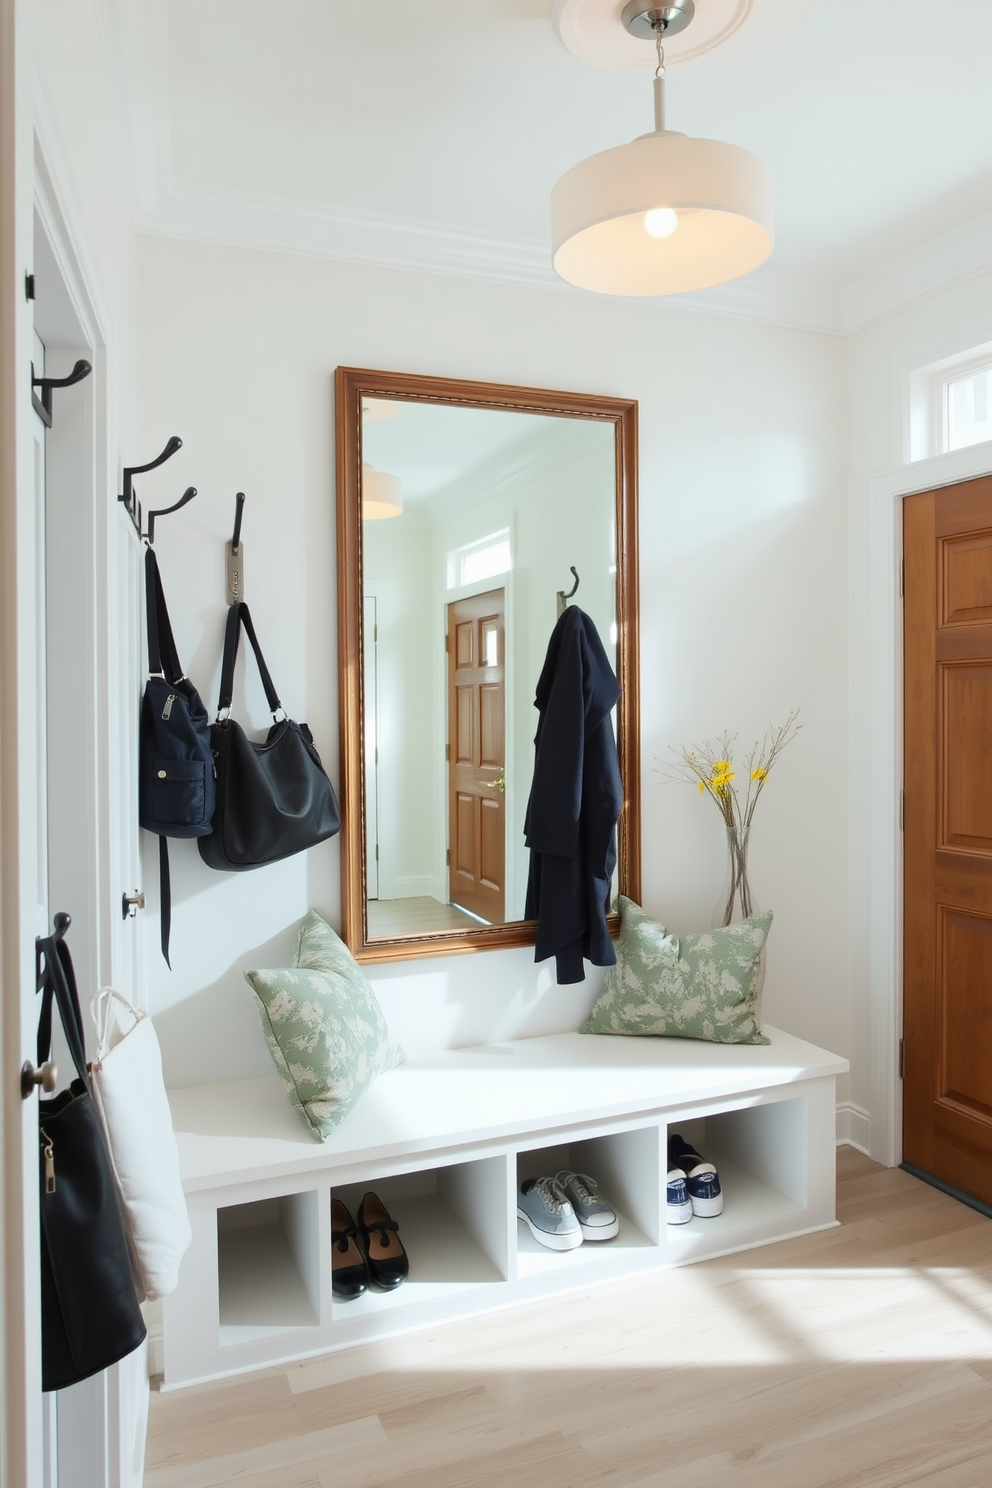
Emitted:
pixel 351 384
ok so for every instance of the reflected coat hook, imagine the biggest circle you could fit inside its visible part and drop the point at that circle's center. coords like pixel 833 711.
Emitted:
pixel 563 598
pixel 60 925
pixel 43 405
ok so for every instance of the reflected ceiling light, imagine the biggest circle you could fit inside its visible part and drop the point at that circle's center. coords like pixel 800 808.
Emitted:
pixel 374 410
pixel 382 495
pixel 667 213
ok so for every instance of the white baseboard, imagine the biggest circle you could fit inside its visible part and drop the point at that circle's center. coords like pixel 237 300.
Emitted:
pixel 854 1127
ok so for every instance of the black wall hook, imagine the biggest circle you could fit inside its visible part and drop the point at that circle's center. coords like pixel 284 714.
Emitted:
pixel 164 511
pixel 130 500
pixel 239 507
pixel 236 556
pixel 43 405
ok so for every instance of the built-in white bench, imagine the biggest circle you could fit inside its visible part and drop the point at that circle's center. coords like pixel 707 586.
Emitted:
pixel 444 1140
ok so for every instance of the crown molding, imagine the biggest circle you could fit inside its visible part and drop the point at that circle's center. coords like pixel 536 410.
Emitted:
pixel 138 40
pixel 296 227
pixel 951 259
pixel 558 443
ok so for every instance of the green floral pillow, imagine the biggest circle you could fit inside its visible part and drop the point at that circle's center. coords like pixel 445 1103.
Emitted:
pixel 690 986
pixel 324 1028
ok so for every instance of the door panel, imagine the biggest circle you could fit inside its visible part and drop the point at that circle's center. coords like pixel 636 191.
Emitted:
pixel 948 835
pixel 966 740
pixel 477 755
pixel 965 962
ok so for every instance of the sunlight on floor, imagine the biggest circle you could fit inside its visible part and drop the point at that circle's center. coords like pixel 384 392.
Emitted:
pixel 734 1317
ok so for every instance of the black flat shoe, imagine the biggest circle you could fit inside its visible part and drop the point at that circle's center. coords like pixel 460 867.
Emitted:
pixel 349 1273
pixel 379 1234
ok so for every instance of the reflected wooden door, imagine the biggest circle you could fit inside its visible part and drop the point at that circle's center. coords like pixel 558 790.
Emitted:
pixel 477 755
pixel 947 1106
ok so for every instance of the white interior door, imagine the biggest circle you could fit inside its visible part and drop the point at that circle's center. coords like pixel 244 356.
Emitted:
pixel 89 559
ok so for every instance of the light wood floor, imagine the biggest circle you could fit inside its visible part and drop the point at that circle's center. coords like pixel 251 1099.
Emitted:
pixel 859 1356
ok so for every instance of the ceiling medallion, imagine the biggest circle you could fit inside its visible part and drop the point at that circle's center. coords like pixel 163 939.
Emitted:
pixel 593 32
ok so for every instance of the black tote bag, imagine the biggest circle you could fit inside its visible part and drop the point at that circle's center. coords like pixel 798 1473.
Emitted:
pixel 90 1317
pixel 273 796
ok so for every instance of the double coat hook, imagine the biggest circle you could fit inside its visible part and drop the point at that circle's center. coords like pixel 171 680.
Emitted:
pixel 132 504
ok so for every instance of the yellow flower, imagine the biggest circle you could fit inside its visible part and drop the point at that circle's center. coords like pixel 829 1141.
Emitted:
pixel 759 774
pixel 721 767
pixel 702 786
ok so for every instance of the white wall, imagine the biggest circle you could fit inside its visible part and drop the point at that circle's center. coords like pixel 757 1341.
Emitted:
pixel 744 611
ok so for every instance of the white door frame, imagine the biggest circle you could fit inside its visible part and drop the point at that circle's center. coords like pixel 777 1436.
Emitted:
pixel 101 1421
pixel 21 1453
pixel 886 773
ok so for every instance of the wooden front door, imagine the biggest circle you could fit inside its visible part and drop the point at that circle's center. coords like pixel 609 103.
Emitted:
pixel 477 755
pixel 947 1107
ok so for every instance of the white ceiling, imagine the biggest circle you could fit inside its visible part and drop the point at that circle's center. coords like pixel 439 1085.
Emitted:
pixel 429 135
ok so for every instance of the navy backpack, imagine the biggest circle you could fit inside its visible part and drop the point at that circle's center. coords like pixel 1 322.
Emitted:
pixel 176 766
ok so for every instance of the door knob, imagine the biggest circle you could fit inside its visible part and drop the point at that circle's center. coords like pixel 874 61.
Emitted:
pixel 499 784
pixel 47 1077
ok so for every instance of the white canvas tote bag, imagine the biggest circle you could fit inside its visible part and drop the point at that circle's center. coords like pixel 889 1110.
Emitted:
pixel 129 1093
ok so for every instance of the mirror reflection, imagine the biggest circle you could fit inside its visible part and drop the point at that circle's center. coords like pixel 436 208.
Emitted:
pixel 472 521
pixel 465 511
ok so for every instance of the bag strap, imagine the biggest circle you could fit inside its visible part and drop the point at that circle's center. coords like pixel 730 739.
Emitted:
pixel 162 654
pixel 60 987
pixel 102 1010
pixel 238 616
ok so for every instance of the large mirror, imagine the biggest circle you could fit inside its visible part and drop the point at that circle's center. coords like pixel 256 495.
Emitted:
pixel 465 511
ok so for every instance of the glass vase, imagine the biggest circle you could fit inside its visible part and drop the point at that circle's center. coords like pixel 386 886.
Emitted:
pixel 735 901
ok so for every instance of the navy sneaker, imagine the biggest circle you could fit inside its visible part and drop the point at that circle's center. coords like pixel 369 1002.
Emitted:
pixel 701 1178
pixel 678 1205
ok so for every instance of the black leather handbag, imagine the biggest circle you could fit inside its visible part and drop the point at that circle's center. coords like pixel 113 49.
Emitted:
pixel 273 796
pixel 90 1317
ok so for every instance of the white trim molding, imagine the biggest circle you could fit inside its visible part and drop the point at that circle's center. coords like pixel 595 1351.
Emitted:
pixel 885 772
pixel 853 1127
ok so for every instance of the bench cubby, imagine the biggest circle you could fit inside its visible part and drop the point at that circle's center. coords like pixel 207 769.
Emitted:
pixel 444 1141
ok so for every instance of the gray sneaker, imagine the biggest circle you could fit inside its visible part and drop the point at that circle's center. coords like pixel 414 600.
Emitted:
pixel 542 1205
pixel 597 1220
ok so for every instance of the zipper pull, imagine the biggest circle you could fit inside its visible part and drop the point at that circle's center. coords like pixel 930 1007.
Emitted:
pixel 49 1152
pixel 168 706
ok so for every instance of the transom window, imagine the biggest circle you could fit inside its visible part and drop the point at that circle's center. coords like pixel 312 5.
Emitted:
pixel 484 559
pixel 951 403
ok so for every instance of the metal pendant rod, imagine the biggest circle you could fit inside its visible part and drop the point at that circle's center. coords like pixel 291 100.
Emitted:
pixel 659 105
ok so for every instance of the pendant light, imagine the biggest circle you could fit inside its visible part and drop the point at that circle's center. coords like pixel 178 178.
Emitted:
pixel 665 214
pixel 382 494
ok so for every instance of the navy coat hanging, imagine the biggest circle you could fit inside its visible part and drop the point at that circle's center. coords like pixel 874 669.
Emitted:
pixel 575 800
